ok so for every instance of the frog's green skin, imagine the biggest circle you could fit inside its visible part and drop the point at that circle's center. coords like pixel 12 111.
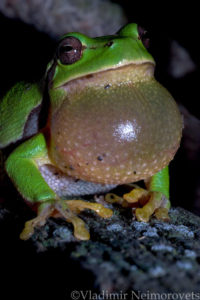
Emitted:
pixel 110 123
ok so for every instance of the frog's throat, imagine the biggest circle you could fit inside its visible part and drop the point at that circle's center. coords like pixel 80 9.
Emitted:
pixel 114 127
pixel 131 73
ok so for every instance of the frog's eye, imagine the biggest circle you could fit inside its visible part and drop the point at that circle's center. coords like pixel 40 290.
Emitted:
pixel 69 50
pixel 143 36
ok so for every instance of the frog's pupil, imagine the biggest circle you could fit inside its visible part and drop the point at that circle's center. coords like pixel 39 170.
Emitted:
pixel 66 48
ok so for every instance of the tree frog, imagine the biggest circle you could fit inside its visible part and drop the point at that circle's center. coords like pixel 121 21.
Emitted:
pixel 107 122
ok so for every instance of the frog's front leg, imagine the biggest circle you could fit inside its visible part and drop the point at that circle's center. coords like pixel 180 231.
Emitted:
pixel 154 199
pixel 22 167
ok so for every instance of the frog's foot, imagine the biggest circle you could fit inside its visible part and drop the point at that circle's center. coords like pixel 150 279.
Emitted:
pixel 129 198
pixel 68 210
pixel 152 202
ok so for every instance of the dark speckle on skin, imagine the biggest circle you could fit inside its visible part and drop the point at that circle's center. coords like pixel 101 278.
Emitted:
pixel 100 158
pixel 107 86
pixel 71 167
pixel 134 172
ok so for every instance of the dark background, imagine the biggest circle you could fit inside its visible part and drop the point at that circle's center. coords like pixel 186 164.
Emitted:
pixel 24 53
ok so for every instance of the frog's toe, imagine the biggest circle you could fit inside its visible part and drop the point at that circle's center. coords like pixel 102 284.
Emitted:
pixel 136 195
pixel 157 204
pixel 79 205
pixel 80 230
pixel 113 198
pixel 162 213
pixel 39 221
pixel 29 228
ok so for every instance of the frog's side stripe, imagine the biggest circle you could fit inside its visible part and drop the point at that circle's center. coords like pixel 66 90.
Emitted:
pixel 15 109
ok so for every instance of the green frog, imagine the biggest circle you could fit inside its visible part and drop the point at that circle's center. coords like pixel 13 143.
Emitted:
pixel 108 122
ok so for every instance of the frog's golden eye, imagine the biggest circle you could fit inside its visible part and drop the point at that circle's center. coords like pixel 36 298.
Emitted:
pixel 143 36
pixel 69 50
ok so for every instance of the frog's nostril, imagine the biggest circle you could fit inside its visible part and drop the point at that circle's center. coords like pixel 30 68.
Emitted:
pixel 108 44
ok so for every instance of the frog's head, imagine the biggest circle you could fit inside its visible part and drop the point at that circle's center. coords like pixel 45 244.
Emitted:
pixel 78 55
pixel 110 120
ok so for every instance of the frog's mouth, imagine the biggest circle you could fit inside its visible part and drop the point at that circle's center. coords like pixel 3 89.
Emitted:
pixel 113 76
